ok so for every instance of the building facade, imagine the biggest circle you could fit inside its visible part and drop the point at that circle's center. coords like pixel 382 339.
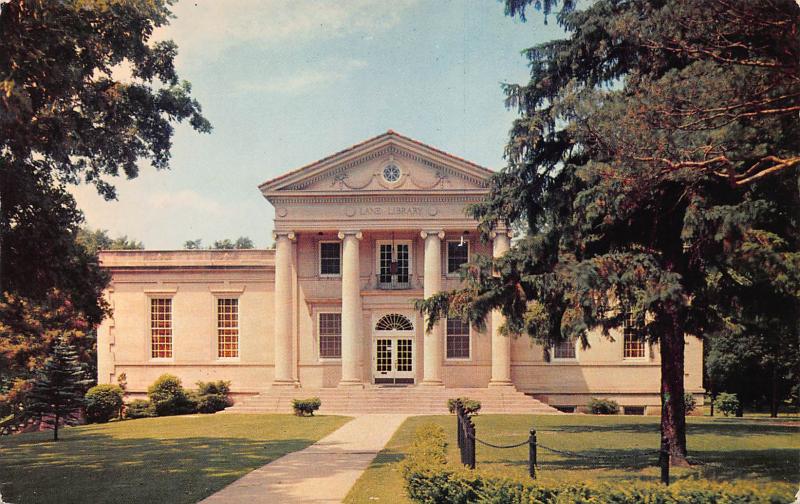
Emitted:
pixel 359 235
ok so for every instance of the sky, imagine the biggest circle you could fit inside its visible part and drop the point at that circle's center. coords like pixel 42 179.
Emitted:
pixel 286 82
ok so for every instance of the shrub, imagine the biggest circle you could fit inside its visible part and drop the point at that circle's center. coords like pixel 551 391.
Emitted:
pixel 169 397
pixel 306 407
pixel 213 396
pixel 471 406
pixel 689 402
pixel 727 403
pixel 139 408
pixel 429 479
pixel 102 403
pixel 603 406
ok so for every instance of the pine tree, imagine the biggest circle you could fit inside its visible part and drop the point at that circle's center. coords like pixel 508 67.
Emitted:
pixel 56 395
pixel 654 167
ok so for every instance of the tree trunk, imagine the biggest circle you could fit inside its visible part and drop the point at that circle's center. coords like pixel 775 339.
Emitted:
pixel 713 398
pixel 773 405
pixel 673 414
pixel 55 429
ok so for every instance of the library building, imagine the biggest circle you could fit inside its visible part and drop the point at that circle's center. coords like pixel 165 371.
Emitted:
pixel 328 311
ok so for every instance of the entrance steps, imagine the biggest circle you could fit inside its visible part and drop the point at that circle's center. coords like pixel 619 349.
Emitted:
pixel 415 400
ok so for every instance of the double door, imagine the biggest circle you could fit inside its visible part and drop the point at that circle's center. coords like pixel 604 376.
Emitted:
pixel 393 360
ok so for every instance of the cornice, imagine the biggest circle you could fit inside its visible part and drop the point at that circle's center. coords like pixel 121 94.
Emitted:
pixel 379 197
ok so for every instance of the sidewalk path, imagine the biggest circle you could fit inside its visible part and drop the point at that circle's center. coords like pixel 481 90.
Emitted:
pixel 323 472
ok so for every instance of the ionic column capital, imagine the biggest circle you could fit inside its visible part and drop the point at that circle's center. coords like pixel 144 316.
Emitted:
pixel 288 234
pixel 435 232
pixel 350 232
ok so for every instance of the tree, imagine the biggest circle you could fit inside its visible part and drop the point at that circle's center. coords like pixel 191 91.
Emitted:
pixel 643 194
pixel 66 117
pixel 56 394
pixel 95 240
pixel 193 244
pixel 242 242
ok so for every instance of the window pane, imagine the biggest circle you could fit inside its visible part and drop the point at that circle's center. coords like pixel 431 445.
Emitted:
pixel 633 340
pixel 228 327
pixel 457 339
pixel 330 258
pixel 330 335
pixel 161 328
pixel 457 254
pixel 564 350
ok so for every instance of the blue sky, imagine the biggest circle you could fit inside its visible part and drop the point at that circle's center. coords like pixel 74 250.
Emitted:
pixel 287 82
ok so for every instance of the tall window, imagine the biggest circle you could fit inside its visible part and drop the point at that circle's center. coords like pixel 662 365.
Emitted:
pixel 632 341
pixel 457 339
pixel 161 328
pixel 330 335
pixel 457 254
pixel 330 258
pixel 394 262
pixel 564 350
pixel 227 327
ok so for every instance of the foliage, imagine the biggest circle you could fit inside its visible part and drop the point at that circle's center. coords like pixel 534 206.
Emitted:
pixel 168 396
pixel 139 408
pixel 213 396
pixel 603 406
pixel 429 479
pixel 103 402
pixel 96 240
pixel 85 95
pixel 471 406
pixel 689 402
pixel 193 244
pixel 643 195
pixel 306 407
pixel 727 403
pixel 242 242
pixel 56 394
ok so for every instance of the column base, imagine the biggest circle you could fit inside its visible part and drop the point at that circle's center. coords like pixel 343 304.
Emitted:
pixel 502 384
pixel 350 384
pixel 432 383
pixel 284 384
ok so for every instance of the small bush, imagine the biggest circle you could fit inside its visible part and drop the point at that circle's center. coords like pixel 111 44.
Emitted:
pixel 169 397
pixel 727 403
pixel 103 402
pixel 306 407
pixel 139 408
pixel 471 406
pixel 603 406
pixel 689 402
pixel 213 396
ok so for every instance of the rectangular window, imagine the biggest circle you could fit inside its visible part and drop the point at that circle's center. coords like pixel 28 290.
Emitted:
pixel 227 328
pixel 161 328
pixel 632 341
pixel 457 254
pixel 330 335
pixel 330 258
pixel 457 339
pixel 394 264
pixel 564 350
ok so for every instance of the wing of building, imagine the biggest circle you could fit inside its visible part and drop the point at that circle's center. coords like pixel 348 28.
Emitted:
pixel 358 236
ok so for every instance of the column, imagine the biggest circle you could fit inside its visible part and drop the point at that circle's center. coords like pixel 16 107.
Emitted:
pixel 432 348
pixel 351 308
pixel 501 344
pixel 283 309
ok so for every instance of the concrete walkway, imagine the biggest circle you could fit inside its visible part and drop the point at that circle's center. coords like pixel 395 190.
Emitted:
pixel 323 472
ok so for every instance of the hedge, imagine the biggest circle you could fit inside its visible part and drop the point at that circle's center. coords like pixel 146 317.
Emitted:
pixel 139 408
pixel 103 402
pixel 430 480
pixel 303 407
pixel 471 406
pixel 168 397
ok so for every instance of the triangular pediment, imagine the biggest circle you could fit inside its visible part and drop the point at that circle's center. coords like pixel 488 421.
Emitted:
pixel 388 162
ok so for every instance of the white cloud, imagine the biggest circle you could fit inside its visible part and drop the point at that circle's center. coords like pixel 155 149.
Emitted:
pixel 305 80
pixel 205 28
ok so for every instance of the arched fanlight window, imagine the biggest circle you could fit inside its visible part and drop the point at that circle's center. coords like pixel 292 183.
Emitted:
pixel 394 322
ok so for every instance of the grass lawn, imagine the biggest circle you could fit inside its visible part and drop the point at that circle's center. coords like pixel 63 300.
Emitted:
pixel 612 448
pixel 171 459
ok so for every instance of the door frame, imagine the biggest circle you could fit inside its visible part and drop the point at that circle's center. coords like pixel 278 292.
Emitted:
pixel 394 377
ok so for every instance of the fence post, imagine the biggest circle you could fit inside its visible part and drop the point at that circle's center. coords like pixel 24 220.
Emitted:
pixel 663 460
pixel 470 442
pixel 532 454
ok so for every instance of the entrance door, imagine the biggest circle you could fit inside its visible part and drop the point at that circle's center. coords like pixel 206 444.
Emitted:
pixel 393 351
pixel 394 360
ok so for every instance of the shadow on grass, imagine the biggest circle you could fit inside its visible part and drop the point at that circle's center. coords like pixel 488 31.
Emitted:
pixel 101 468
pixel 719 428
